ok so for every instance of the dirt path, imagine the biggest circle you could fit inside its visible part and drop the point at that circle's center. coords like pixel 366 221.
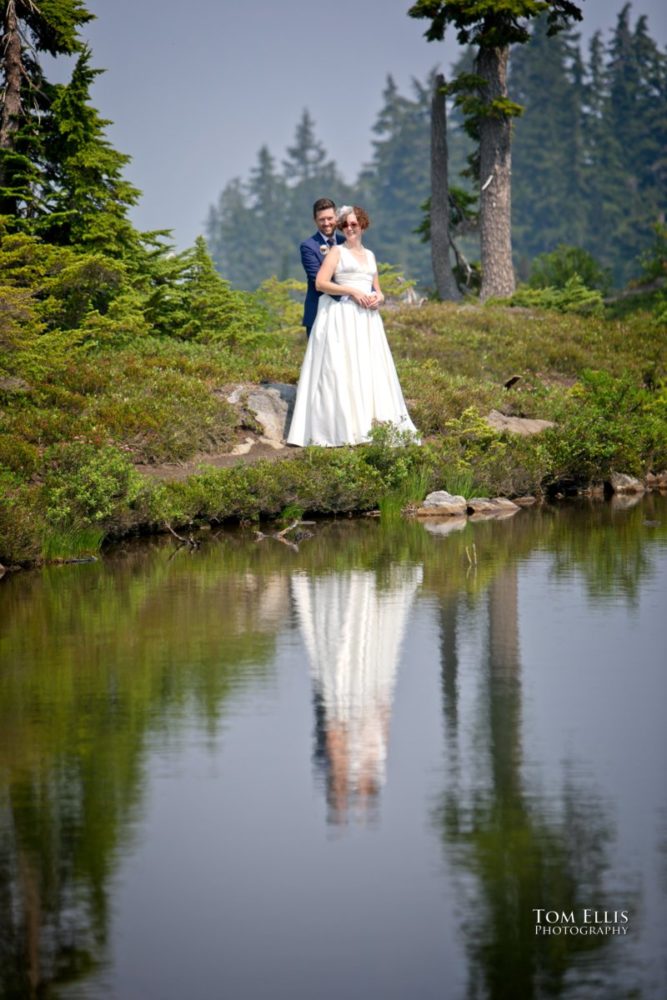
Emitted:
pixel 249 450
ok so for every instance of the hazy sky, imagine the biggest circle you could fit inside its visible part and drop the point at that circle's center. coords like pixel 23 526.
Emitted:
pixel 195 89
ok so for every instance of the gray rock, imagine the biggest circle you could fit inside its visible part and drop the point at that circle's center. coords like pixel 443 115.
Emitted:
pixel 516 425
pixel 272 405
pixel 620 483
pixel 441 502
pixel 482 505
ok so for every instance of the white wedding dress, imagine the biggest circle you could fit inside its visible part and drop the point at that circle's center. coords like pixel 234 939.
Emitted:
pixel 348 379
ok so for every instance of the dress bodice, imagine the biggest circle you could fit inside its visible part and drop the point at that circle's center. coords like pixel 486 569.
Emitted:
pixel 350 271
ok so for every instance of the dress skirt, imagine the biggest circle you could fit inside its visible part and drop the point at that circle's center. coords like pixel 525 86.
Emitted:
pixel 348 379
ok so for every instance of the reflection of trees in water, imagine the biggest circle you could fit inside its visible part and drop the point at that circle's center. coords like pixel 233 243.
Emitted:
pixel 521 854
pixel 610 544
pixel 94 667
pixel 97 662
pixel 353 626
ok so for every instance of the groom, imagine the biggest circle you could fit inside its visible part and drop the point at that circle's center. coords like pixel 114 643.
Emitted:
pixel 313 252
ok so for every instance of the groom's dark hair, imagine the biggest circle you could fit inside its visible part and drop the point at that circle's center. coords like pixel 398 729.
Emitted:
pixel 321 204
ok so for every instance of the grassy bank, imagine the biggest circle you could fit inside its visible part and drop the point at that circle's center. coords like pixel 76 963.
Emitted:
pixel 81 409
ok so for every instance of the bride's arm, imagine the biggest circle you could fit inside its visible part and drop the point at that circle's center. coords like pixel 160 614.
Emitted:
pixel 325 283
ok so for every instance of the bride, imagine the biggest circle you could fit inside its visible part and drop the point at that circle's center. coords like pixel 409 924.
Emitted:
pixel 348 380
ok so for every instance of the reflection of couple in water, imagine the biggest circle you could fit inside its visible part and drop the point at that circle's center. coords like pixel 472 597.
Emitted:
pixel 353 627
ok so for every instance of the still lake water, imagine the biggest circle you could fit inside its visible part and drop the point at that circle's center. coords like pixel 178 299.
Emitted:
pixel 356 770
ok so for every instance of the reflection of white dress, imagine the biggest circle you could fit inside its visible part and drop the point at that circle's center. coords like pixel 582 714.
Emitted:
pixel 353 631
pixel 348 378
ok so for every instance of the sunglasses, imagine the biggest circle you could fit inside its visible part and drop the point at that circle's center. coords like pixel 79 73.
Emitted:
pixel 349 225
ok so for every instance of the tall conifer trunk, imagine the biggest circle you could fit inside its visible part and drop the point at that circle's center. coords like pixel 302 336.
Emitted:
pixel 495 178
pixel 442 272
pixel 10 103
pixel 10 99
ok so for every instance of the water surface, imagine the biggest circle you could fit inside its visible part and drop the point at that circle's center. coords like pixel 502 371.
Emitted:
pixel 356 769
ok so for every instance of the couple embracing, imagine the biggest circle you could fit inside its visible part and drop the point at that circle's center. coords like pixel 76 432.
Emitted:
pixel 348 380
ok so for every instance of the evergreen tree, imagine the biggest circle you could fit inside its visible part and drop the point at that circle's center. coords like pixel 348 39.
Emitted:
pixel 439 220
pixel 306 157
pixel 603 176
pixel 84 197
pixel 207 308
pixel 28 29
pixel 548 157
pixel 651 110
pixel 626 145
pixel 635 112
pixel 269 208
pixel 231 236
pixel 255 229
pixel 309 174
pixel 246 229
pixel 397 181
pixel 492 28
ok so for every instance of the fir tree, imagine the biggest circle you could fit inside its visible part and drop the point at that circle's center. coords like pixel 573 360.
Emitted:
pixel 28 29
pixel 207 308
pixel 269 209
pixel 309 174
pixel 439 221
pixel 626 139
pixel 492 28
pixel 547 193
pixel 255 229
pixel 231 236
pixel 396 182
pixel 84 198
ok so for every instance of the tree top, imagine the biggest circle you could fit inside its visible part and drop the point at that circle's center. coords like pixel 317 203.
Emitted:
pixel 490 24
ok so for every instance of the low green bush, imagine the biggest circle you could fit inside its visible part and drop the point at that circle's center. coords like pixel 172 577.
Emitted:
pixel 21 520
pixel 608 424
pixel 573 297
pixel 556 268
pixel 84 485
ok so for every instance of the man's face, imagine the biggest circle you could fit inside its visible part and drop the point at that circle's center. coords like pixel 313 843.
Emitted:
pixel 326 221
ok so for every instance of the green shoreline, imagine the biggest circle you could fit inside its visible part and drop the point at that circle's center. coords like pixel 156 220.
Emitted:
pixel 351 482
pixel 80 411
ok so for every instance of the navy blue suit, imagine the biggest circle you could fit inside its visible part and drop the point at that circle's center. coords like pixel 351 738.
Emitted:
pixel 311 258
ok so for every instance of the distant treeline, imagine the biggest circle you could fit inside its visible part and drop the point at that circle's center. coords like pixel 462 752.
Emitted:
pixel 589 165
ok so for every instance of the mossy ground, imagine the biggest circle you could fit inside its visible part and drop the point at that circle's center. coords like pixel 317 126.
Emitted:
pixel 79 414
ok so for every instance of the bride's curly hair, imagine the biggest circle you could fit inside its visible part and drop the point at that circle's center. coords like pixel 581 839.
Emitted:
pixel 363 217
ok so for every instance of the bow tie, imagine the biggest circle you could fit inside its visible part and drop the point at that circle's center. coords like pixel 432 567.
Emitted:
pixel 331 241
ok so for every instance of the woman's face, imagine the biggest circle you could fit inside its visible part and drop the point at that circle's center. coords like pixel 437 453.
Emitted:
pixel 350 226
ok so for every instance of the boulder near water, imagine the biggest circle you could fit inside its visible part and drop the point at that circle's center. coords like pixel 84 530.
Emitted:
pixel 442 503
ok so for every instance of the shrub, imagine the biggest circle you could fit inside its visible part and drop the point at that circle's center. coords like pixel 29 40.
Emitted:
pixel 283 302
pixel 608 424
pixel 556 269
pixel 393 282
pixel 573 297
pixel 84 485
pixel 436 396
pixel 20 520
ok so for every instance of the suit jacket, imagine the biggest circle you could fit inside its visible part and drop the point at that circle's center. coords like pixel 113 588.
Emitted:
pixel 311 258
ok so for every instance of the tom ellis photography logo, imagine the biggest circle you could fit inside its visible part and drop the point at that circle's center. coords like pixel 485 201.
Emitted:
pixel 586 922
